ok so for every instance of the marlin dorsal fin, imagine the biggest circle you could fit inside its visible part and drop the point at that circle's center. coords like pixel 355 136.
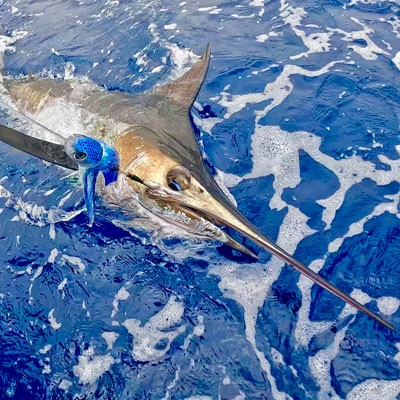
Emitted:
pixel 183 91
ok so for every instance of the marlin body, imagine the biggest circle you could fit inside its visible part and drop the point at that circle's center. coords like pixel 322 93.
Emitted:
pixel 153 136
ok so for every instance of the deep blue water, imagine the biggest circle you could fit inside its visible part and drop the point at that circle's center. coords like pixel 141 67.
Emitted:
pixel 302 126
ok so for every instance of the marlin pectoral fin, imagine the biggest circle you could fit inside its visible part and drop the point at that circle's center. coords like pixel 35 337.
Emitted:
pixel 183 91
pixel 47 151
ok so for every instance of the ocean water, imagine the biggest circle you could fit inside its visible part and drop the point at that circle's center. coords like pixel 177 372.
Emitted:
pixel 299 119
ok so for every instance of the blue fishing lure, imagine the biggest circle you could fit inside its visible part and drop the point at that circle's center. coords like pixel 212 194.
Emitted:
pixel 92 156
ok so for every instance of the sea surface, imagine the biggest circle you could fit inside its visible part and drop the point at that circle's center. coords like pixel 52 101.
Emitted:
pixel 299 119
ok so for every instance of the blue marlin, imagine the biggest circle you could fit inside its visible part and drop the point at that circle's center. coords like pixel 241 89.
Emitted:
pixel 159 157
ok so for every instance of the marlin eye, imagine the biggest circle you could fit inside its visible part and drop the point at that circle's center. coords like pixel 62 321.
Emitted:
pixel 80 156
pixel 175 186
pixel 178 178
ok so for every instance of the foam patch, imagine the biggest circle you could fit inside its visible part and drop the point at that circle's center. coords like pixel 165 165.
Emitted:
pixel 91 367
pixel 161 329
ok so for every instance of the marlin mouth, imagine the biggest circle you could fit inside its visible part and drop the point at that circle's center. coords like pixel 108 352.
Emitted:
pixel 172 208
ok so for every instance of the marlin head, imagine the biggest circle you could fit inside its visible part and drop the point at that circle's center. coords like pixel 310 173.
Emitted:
pixel 87 152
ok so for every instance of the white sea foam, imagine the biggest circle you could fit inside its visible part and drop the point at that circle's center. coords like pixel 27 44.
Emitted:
pixel 4 193
pixel 198 330
pixel 49 192
pixel 159 329
pixel 121 295
pixel 33 213
pixel 52 231
pixel 53 255
pixel 110 338
pixel 258 3
pixel 62 284
pixel 276 151
pixel 75 261
pixel 242 16
pixel 372 389
pixel 53 322
pixel 276 91
pixel 45 349
pixel 91 367
pixel 264 37
pixel 37 273
pixel 206 124
pixel 320 366
pixel 388 305
pixel 157 69
pixel 358 227
pixel 277 357
pixel 396 60
pixel 46 368
pixel 368 52
pixel 205 9
pixel 353 2
pixel 317 42
pixel 64 385
pixel 394 21
pixel 272 147
pixel 172 384
pixel 182 59
pixel 249 286
pixel 306 329
pixel 7 42
pixel 397 356
pixel 170 26
pixel 69 71
pixel 320 363
pixel 65 198
pixel 61 117
pixel 221 178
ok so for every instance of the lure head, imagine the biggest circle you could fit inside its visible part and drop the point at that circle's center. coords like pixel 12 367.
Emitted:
pixel 87 152
pixel 93 157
